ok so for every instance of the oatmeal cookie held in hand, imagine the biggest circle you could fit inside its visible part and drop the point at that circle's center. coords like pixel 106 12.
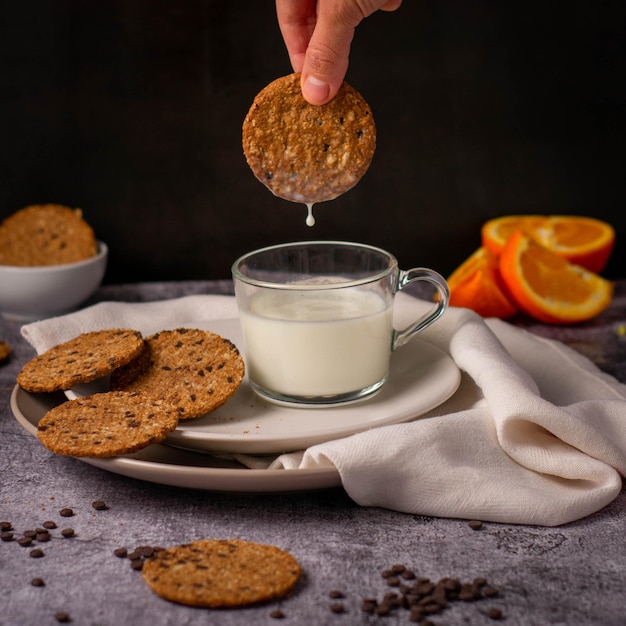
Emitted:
pixel 307 153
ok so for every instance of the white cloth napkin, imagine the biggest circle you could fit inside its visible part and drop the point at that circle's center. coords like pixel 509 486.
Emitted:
pixel 536 434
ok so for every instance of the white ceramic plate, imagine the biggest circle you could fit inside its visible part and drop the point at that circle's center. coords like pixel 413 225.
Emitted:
pixel 181 468
pixel 421 377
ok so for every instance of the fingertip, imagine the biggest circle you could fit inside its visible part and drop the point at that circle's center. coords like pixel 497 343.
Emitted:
pixel 315 91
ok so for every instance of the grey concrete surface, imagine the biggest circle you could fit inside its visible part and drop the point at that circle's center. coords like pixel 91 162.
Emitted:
pixel 573 575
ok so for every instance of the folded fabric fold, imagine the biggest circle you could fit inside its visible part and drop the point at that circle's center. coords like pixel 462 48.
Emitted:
pixel 535 434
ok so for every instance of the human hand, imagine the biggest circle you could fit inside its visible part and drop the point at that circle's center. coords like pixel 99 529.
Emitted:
pixel 318 34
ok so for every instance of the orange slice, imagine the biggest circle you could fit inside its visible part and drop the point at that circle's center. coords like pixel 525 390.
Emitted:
pixel 583 241
pixel 548 287
pixel 476 285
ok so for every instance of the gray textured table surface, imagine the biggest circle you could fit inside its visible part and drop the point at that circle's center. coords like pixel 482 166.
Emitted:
pixel 569 575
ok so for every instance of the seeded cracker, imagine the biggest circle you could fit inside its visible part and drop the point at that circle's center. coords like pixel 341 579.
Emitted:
pixel 106 424
pixel 80 360
pixel 308 153
pixel 46 234
pixel 221 573
pixel 195 370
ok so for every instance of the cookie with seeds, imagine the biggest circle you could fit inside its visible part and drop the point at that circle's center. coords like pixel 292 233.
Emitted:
pixel 106 424
pixel 308 153
pixel 221 573
pixel 195 370
pixel 5 351
pixel 46 234
pixel 80 360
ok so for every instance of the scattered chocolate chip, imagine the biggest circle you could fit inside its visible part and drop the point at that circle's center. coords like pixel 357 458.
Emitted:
pixel 6 536
pixel 25 542
pixel 66 512
pixel 30 533
pixel 43 537
pixel 337 607
pixel 490 592
pixel 37 553
pixel 475 525
pixel 494 613
pixel 62 616
pixel 335 594
pixel 37 582
pixel 4 526
pixel 277 614
pixel 49 525
pixel 145 551
pixel 121 553
pixel 136 564
pixel 68 532
pixel 369 605
pixel 99 505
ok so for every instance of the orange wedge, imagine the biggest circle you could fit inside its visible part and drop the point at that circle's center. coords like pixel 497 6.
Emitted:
pixel 583 241
pixel 476 285
pixel 549 288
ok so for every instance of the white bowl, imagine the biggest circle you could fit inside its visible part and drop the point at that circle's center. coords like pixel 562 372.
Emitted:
pixel 32 293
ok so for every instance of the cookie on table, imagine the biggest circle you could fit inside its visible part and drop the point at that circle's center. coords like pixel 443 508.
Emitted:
pixel 195 370
pixel 106 424
pixel 5 351
pixel 80 360
pixel 46 234
pixel 221 573
pixel 308 153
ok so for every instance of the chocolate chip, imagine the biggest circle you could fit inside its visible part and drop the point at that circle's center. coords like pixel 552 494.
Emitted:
pixel 369 605
pixel 277 614
pixel 475 525
pixel 121 553
pixel 136 564
pixel 49 525
pixel 62 616
pixel 99 505
pixel 4 526
pixel 37 582
pixel 68 532
pixel 145 551
pixel 6 536
pixel 66 512
pixel 490 592
pixel 30 533
pixel 25 542
pixel 43 537
pixel 337 607
pixel 494 613
pixel 37 553
pixel 336 594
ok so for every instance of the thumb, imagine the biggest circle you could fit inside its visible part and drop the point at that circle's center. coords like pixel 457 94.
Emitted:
pixel 326 59
pixel 325 66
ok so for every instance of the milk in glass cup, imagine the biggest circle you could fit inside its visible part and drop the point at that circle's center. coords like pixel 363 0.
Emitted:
pixel 316 319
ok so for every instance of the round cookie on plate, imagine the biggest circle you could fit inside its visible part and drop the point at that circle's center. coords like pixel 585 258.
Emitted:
pixel 308 153
pixel 80 360
pixel 195 370
pixel 106 424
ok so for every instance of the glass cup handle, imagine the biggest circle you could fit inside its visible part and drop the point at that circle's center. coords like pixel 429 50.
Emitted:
pixel 400 337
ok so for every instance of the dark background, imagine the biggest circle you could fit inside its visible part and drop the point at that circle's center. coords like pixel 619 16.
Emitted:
pixel 132 110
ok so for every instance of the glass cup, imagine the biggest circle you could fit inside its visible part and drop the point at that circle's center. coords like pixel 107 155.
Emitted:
pixel 316 319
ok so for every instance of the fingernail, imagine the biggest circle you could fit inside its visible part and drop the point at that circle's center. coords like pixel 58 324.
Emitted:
pixel 315 90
